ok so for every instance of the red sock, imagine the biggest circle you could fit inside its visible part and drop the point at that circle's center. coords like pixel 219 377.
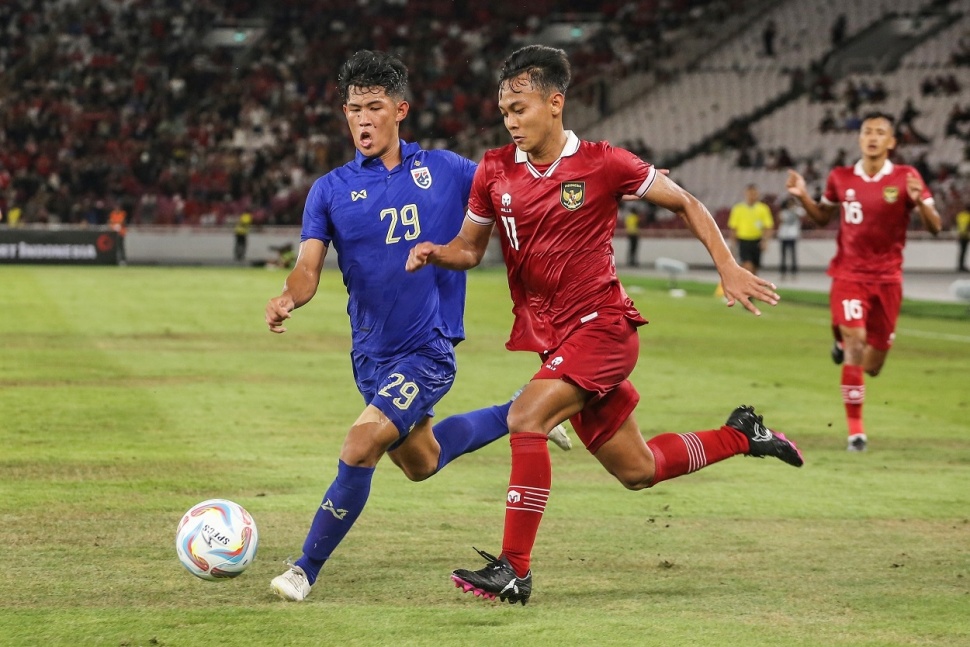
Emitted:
pixel 678 454
pixel 526 501
pixel 853 395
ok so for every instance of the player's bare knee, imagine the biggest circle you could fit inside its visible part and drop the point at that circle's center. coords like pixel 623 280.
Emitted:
pixel 418 473
pixel 520 421
pixel 360 451
pixel 416 467
pixel 357 461
pixel 635 485
pixel 634 480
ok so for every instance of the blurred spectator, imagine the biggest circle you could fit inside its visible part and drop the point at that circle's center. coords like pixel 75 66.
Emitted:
pixel 789 231
pixel 907 133
pixel 821 84
pixel 768 38
pixel 828 123
pixel 117 221
pixel 838 30
pixel 943 85
pixel 878 92
pixel 958 122
pixel 841 158
pixel 961 55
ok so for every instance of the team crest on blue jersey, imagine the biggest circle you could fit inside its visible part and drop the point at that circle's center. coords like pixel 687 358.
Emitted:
pixel 890 194
pixel 422 177
pixel 572 195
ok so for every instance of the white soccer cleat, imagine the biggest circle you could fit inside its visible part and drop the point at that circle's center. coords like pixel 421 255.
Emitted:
pixel 291 585
pixel 559 436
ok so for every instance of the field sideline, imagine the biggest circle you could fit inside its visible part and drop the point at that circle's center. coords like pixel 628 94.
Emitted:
pixel 129 394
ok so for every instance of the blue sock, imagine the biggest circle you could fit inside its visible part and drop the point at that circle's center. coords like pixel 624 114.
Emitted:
pixel 466 432
pixel 342 504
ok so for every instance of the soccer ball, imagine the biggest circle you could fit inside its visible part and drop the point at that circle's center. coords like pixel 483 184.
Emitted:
pixel 216 539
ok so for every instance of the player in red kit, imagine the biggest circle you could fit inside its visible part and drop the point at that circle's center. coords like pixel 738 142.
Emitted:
pixel 875 198
pixel 555 198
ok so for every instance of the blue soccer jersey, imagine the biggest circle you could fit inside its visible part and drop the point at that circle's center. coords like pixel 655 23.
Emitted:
pixel 373 217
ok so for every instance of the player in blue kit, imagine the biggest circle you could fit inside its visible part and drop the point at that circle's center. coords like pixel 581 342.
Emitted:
pixel 404 325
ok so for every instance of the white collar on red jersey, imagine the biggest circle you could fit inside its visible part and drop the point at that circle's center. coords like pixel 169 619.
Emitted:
pixel 572 145
pixel 886 169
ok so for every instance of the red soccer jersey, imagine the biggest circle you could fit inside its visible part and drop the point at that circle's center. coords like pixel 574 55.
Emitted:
pixel 556 226
pixel 874 216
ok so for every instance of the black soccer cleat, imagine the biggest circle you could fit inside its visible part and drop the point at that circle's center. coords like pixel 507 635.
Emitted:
pixel 858 443
pixel 761 440
pixel 838 352
pixel 496 580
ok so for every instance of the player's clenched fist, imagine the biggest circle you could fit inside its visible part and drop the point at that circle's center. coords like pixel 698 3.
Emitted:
pixel 277 311
pixel 419 255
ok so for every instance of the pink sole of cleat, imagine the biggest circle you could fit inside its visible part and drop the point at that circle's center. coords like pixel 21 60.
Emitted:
pixel 466 588
pixel 794 446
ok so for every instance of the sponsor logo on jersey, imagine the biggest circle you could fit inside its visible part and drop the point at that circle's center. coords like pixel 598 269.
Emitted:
pixel 421 176
pixel 572 195
pixel 850 195
pixel 506 203
pixel 890 194
pixel 358 195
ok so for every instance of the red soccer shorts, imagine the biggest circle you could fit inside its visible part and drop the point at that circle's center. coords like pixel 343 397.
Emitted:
pixel 599 357
pixel 873 306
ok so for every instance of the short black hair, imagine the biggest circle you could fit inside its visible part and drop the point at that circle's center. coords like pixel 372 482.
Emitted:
pixel 548 67
pixel 369 69
pixel 878 114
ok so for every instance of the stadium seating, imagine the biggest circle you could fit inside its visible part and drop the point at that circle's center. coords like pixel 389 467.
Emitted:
pixel 694 113
pixel 140 105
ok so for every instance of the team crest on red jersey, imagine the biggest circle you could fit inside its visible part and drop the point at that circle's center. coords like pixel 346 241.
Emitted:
pixel 890 194
pixel 572 194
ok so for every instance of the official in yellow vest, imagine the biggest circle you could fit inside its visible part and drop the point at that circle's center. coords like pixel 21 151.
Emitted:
pixel 631 224
pixel 751 225
pixel 963 237
pixel 243 225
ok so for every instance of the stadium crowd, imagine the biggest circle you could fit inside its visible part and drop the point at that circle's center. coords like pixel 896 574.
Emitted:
pixel 133 103
pixel 129 103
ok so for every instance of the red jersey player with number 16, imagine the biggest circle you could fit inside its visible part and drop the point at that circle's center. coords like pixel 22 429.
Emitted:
pixel 875 197
pixel 555 198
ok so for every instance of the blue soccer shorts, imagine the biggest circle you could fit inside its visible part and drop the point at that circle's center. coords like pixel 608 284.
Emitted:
pixel 406 388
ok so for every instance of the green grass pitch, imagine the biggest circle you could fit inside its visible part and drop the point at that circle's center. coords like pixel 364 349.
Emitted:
pixel 129 394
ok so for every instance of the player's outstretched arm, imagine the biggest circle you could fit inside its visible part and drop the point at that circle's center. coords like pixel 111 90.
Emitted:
pixel 300 286
pixel 738 283
pixel 821 214
pixel 926 210
pixel 464 252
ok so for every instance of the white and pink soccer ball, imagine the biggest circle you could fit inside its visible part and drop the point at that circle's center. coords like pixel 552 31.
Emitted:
pixel 216 539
